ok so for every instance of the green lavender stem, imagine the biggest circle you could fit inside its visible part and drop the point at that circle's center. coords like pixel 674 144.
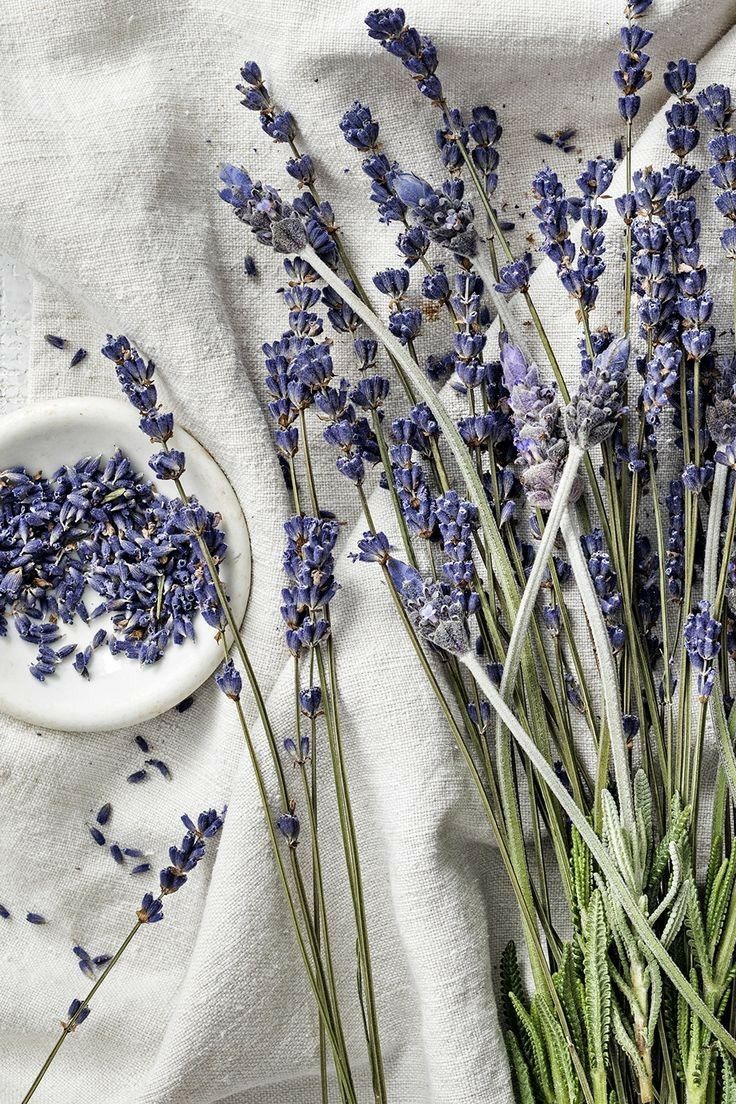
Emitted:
pixel 601 856
pixel 711 591
pixel 525 611
pixel 70 1024
pixel 607 664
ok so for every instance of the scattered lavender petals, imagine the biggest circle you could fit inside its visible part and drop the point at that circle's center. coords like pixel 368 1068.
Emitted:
pixel 160 767
pixel 186 704
pixel 97 835
pixel 4 913
pixel 142 868
pixel 142 744
pixel 249 266
pixel 78 357
pixel 55 340
pixel 87 968
pixel 104 814
pixel 101 960
pixel 138 776
pixel 133 852
pixel 117 853
pixel 35 918
pixel 81 953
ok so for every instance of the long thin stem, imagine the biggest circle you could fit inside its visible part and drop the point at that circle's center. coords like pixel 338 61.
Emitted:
pixel 525 611
pixel 607 664
pixel 600 854
pixel 70 1024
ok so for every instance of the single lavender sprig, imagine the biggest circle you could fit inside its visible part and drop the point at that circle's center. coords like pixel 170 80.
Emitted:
pixel 702 642
pixel 183 860
pixel 716 105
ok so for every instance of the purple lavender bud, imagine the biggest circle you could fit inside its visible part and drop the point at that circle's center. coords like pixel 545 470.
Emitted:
pixel 405 324
pixel 715 103
pixel 168 465
pixel 374 548
pixel 702 635
pixel 594 411
pixel 515 276
pixel 680 77
pixel 97 836
pixel 77 1014
pixel 359 128
pixel 310 701
pixel 163 770
pixel 35 918
pixel 288 826
pixel 78 357
pixel 150 911
pixel 55 341
pixel 229 681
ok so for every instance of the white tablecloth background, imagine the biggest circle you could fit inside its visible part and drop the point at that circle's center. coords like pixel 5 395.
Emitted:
pixel 113 119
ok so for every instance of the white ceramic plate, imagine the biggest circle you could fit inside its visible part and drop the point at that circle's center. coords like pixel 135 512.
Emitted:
pixel 120 692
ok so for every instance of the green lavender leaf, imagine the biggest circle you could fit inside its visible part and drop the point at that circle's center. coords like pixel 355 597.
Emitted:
pixel 643 821
pixel 677 834
pixel 597 981
pixel 581 865
pixel 627 1044
pixel 683 1033
pixel 511 982
pixel 677 915
pixel 718 900
pixel 615 840
pixel 696 931
pixel 519 1072
pixel 572 996
pixel 533 1048
pixel 728 1079
pixel 563 1077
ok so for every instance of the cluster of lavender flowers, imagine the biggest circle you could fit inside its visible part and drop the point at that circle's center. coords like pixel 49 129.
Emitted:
pixel 97 528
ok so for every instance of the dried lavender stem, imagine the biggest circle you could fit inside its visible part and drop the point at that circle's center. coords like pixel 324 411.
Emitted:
pixel 711 591
pixel 607 664
pixel 342 1066
pixel 69 1026
pixel 600 853
pixel 525 611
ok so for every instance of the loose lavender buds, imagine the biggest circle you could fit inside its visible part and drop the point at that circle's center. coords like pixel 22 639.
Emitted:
pixel 97 531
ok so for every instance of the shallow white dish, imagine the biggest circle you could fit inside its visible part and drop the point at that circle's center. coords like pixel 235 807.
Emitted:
pixel 120 692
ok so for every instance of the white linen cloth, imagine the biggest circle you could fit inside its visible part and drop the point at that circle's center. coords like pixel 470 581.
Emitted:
pixel 114 117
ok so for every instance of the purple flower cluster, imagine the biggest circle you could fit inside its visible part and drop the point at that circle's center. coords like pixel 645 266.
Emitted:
pixel 554 212
pixel 182 861
pixel 415 51
pixel 260 207
pixel 595 409
pixel 360 130
pixel 702 637
pixel 632 73
pixel 606 586
pixel 444 215
pixel 715 102
pixel 309 565
pixel 278 125
pixel 538 436
pixel 682 132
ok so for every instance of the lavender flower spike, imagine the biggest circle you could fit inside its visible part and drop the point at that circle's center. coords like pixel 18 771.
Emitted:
pixel 592 414
pixel 702 644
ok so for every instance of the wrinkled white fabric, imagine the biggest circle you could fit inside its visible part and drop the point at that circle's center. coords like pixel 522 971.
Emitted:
pixel 113 119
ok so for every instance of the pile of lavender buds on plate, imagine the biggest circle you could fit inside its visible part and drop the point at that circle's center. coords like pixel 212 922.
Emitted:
pixel 97 531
